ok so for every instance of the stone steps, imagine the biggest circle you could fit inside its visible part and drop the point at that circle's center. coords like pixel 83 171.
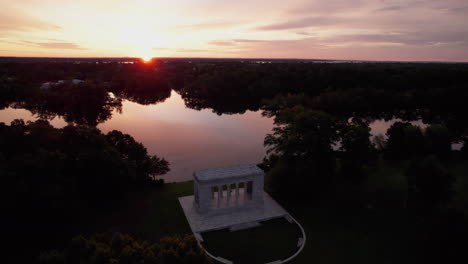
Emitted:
pixel 244 226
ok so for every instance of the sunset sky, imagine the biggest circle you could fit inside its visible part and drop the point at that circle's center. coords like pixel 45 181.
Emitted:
pixel 433 30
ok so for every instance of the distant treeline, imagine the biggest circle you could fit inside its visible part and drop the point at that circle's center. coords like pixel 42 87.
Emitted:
pixel 412 90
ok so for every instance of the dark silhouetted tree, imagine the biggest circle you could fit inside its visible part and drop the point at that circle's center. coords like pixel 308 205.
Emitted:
pixel 404 140
pixel 357 151
pixel 438 140
pixel 135 154
pixel 302 141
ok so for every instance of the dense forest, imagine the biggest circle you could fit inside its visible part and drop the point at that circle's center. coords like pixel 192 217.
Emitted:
pixel 320 150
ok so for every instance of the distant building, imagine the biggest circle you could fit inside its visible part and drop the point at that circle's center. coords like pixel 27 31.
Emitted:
pixel 76 81
pixel 47 85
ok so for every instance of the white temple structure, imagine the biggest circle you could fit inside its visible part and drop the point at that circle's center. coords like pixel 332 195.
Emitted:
pixel 232 197
pixel 229 197
pixel 221 190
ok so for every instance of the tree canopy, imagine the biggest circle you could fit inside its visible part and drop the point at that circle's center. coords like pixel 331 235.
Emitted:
pixel 124 249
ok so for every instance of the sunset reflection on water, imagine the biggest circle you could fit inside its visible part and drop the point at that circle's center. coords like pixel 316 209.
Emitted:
pixel 190 139
pixel 187 138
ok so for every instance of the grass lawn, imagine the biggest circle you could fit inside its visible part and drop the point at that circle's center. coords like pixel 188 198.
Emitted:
pixel 149 214
pixel 341 235
pixel 274 240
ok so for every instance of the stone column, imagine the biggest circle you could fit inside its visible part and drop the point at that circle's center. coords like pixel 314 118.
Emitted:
pixel 220 194
pixel 228 195
pixel 237 193
pixel 246 193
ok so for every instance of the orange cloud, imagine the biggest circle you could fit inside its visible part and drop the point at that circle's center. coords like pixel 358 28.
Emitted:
pixel 55 45
pixel 22 22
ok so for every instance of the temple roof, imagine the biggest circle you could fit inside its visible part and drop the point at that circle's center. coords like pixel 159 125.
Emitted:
pixel 232 172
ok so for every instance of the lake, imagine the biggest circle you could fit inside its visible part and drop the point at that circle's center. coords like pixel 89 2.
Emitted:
pixel 189 139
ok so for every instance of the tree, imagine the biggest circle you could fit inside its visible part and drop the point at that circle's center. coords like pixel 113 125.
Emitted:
pixel 464 149
pixel 404 140
pixel 124 249
pixel 302 140
pixel 357 150
pixel 379 142
pixel 439 141
pixel 136 156
pixel 301 132
pixel 87 103
pixel 8 90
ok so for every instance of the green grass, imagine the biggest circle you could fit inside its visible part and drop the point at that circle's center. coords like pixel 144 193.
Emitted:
pixel 344 235
pixel 149 214
pixel 460 186
pixel 386 176
pixel 386 183
pixel 274 240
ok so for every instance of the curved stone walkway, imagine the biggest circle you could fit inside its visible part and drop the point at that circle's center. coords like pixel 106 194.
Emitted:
pixel 301 243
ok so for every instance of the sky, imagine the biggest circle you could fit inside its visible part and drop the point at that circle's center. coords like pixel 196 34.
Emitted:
pixel 402 30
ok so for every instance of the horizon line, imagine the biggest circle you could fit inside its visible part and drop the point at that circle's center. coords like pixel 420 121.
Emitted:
pixel 235 58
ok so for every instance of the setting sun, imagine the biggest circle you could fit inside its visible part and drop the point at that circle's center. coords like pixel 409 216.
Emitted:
pixel 146 58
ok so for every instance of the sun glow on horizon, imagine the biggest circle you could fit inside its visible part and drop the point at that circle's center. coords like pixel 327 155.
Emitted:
pixel 145 54
pixel 146 58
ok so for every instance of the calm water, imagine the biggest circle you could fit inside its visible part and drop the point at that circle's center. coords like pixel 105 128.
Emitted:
pixel 187 138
